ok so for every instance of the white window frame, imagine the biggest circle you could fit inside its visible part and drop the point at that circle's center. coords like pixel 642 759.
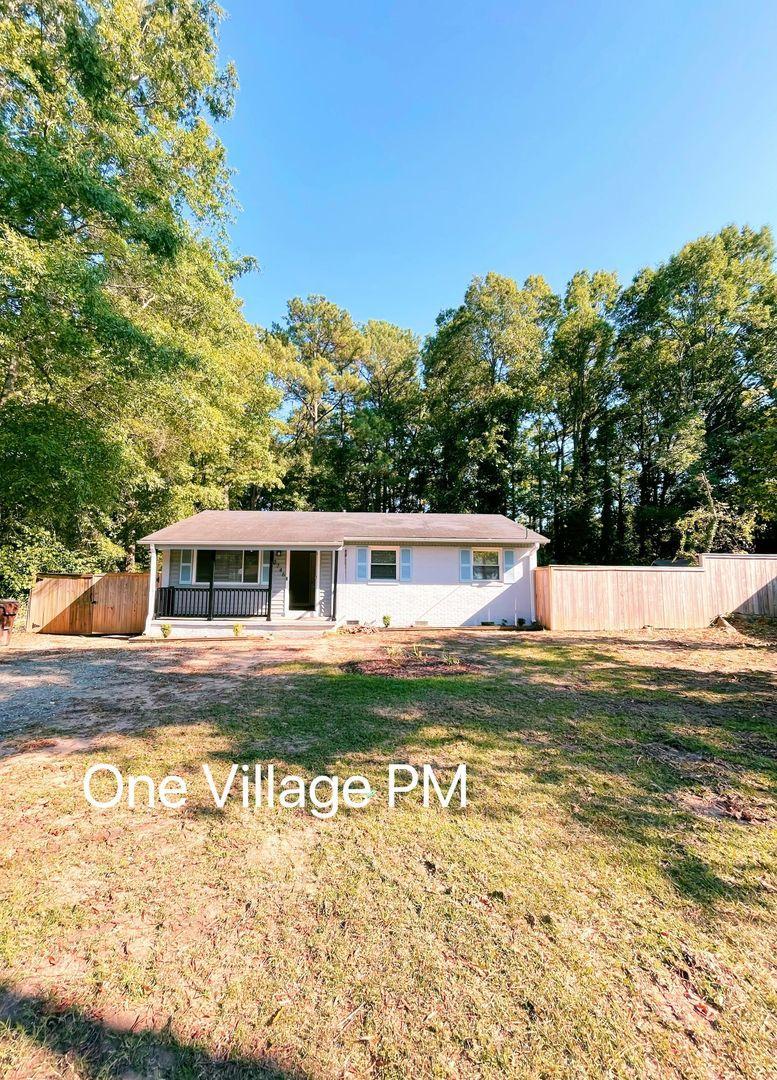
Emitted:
pixel 499 564
pixel 189 563
pixel 263 552
pixel 383 580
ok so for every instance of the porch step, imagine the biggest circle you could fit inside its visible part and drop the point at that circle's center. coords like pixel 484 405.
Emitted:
pixel 222 628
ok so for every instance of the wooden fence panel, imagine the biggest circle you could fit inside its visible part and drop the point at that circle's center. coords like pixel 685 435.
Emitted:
pixel 746 584
pixel 669 597
pixel 542 604
pixel 119 603
pixel 88 604
pixel 61 605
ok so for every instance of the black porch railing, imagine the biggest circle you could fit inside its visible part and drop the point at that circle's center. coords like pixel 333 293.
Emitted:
pixel 211 602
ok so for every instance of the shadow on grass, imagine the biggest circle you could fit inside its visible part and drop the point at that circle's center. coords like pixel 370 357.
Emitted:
pixel 94 1049
pixel 611 743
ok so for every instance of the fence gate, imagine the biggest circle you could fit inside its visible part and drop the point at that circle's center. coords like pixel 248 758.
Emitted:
pixel 88 604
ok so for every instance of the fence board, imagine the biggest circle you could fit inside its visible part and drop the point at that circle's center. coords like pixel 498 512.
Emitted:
pixel 669 597
pixel 88 604
pixel 119 603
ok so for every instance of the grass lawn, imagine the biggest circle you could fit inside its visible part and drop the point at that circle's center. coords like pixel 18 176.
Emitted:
pixel 604 907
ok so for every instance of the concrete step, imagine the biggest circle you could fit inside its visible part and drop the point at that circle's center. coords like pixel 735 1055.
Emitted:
pixel 223 628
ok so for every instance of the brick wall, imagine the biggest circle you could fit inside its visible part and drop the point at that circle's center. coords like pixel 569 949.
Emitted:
pixel 435 595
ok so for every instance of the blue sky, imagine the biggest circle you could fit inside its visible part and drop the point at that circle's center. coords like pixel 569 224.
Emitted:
pixel 388 152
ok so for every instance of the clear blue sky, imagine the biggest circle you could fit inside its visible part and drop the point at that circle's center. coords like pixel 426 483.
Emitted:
pixel 387 152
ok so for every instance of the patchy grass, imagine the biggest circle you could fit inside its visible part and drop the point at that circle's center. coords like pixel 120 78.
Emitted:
pixel 603 907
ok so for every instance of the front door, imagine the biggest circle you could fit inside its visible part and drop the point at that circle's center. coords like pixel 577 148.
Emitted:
pixel 302 580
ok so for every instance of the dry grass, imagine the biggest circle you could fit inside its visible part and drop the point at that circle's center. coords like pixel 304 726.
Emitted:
pixel 604 906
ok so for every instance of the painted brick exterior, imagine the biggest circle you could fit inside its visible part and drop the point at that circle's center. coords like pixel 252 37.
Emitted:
pixel 435 595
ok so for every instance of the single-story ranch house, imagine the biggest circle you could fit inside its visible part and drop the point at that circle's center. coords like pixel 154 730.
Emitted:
pixel 266 568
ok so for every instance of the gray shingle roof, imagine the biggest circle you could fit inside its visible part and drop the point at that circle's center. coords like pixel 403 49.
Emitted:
pixel 274 528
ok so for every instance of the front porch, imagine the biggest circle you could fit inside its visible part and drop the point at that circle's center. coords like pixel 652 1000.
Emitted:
pixel 207 591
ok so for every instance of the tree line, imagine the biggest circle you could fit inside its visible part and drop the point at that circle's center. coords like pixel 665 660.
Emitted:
pixel 626 422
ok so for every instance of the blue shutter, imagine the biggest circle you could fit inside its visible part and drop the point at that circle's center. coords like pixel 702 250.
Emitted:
pixel 465 564
pixel 509 560
pixel 361 564
pixel 406 564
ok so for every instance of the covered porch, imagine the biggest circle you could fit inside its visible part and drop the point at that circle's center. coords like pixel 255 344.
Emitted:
pixel 210 589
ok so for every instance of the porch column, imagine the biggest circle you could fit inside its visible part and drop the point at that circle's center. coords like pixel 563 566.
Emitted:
pixel 151 588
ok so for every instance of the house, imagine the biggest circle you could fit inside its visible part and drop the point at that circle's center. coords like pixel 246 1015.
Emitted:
pixel 266 569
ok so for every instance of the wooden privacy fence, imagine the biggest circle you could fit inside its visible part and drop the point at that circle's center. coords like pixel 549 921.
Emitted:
pixel 670 597
pixel 88 604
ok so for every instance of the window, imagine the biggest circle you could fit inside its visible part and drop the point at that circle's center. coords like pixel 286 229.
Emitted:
pixel 233 567
pixel 251 566
pixel 485 565
pixel 185 568
pixel 256 567
pixel 228 566
pixel 383 564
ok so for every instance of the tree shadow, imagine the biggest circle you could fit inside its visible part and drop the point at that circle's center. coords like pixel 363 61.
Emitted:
pixel 616 746
pixel 95 1049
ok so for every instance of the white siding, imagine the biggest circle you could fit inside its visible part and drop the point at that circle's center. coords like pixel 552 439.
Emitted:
pixel 278 594
pixel 435 595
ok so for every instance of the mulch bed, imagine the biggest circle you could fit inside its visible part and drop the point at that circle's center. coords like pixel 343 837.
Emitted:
pixel 408 667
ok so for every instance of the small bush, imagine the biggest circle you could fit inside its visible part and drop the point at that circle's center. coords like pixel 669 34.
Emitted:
pixel 237 629
pixel 166 629
pixel 387 621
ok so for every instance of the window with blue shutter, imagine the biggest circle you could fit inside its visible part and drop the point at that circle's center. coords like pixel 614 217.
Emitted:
pixel 509 557
pixel 465 564
pixel 406 564
pixel 361 564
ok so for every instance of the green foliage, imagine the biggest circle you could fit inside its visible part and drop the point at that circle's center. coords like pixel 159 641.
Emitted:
pixel 596 416
pixel 132 390
pixel 621 422
pixel 27 551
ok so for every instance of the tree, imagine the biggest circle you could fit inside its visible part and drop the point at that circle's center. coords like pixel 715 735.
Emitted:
pixel 698 368
pixel 581 378
pixel 119 327
pixel 481 372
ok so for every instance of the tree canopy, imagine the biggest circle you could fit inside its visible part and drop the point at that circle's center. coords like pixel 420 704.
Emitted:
pixel 624 421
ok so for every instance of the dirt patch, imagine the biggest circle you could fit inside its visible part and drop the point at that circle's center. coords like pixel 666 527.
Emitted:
pixel 727 805
pixel 410 667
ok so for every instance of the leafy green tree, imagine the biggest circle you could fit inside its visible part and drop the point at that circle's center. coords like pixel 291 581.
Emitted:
pixel 581 378
pixel 698 369
pixel 130 382
pixel 482 370
pixel 384 468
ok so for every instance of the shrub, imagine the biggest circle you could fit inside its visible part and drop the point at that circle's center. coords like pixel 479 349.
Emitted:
pixel 237 629
pixel 387 621
pixel 166 629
